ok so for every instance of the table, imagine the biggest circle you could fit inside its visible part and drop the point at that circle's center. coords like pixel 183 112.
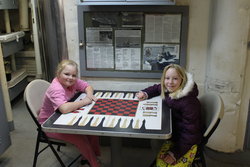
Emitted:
pixel 115 132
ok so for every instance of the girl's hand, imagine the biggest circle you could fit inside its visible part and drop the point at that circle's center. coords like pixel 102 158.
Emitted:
pixel 167 159
pixel 92 97
pixel 87 100
pixel 141 96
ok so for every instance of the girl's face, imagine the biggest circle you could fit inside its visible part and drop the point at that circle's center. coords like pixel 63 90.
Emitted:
pixel 68 76
pixel 172 80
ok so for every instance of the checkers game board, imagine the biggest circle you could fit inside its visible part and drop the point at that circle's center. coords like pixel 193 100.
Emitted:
pixel 118 107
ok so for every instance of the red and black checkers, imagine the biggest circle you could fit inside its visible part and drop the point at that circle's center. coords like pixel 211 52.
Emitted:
pixel 118 107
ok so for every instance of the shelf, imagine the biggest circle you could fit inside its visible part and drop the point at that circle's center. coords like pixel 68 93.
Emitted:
pixel 9 4
pixel 17 83
pixel 17 77
pixel 11 43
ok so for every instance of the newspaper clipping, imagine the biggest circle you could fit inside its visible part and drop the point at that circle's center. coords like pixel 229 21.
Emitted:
pixel 128 49
pixel 162 28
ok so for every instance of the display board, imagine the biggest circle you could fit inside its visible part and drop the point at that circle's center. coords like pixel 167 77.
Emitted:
pixel 126 2
pixel 131 41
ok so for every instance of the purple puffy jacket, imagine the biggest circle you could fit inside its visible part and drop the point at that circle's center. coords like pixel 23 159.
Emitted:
pixel 186 116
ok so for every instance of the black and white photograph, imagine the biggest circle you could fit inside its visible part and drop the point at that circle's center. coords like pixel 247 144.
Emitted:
pixel 132 19
pixel 104 19
pixel 128 38
pixel 157 56
pixel 99 35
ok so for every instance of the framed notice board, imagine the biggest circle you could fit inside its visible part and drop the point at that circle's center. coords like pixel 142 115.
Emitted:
pixel 131 41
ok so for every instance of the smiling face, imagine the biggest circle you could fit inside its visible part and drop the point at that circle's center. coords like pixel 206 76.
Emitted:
pixel 172 80
pixel 68 76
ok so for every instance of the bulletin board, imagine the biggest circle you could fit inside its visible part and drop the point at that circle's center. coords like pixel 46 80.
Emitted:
pixel 131 41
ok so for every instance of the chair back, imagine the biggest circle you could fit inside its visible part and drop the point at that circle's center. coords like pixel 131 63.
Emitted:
pixel 212 112
pixel 33 97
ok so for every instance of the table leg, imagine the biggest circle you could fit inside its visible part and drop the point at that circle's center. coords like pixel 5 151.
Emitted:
pixel 156 145
pixel 116 152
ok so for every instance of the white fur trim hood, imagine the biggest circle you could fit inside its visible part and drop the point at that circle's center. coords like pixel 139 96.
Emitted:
pixel 184 92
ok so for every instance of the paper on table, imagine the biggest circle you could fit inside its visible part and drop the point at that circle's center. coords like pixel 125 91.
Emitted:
pixel 151 111
pixel 67 119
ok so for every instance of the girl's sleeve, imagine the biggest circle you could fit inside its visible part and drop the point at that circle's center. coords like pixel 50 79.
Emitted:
pixel 153 91
pixel 81 85
pixel 57 97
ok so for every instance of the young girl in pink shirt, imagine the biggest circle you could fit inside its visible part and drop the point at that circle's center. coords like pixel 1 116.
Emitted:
pixel 61 90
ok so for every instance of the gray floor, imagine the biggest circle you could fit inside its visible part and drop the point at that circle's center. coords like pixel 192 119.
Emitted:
pixel 20 154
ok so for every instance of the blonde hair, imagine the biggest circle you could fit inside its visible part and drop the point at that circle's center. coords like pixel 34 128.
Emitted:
pixel 181 72
pixel 63 64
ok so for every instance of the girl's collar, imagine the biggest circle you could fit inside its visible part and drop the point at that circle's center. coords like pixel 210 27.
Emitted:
pixel 187 88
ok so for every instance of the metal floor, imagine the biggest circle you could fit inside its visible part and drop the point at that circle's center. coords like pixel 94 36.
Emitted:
pixel 20 153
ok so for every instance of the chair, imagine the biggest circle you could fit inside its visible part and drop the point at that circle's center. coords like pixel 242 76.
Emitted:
pixel 33 98
pixel 212 113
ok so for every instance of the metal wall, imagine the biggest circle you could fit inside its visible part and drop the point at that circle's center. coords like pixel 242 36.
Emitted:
pixel 52 35
pixel 247 136
pixel 5 141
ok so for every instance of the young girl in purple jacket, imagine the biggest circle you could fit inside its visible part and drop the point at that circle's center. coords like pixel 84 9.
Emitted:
pixel 179 92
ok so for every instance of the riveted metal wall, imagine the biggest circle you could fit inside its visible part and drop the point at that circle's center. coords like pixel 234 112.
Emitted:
pixel 247 136
pixel 52 34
